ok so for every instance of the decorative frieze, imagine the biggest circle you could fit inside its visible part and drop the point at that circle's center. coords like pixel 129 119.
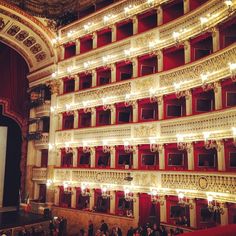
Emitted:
pixel 39 174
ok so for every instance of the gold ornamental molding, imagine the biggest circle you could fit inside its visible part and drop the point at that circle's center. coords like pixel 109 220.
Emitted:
pixel 26 35
pixel 194 185
pixel 39 174
pixel 219 123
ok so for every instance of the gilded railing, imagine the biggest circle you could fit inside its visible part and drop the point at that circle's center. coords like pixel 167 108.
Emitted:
pixel 39 174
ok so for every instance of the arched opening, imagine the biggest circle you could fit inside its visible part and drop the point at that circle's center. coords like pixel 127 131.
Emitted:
pixel 13 157
pixel 13 108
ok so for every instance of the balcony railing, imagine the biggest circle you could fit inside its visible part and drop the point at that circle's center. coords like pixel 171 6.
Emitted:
pixel 39 174
pixel 221 122
pixel 43 110
pixel 42 142
pixel 194 184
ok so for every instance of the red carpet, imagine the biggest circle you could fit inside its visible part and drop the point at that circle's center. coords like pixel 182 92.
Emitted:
pixel 227 230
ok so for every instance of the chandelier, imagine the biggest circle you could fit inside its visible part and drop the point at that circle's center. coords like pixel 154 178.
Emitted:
pixel 156 198
pixel 229 4
pixel 154 147
pixel 209 144
pixel 106 148
pixel 85 191
pixel 129 101
pixel 105 193
pixel 214 207
pixel 128 148
pixel 68 149
pixel 129 196
pixel 182 201
pixel 67 188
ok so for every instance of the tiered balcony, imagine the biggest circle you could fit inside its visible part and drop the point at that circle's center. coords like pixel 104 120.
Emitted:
pixel 39 174
pixel 43 142
pixel 43 110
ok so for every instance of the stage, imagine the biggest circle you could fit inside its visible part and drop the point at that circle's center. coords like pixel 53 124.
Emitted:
pixel 13 219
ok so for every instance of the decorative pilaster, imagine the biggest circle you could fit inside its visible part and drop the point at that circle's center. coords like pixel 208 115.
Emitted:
pixel 77 45
pixel 92 157
pixel 73 198
pixel 113 202
pixel 186 6
pixel 76 119
pixel 163 217
pixel 160 108
pixel 75 157
pixel 94 78
pixel 113 114
pixel 189 103
pixel 92 199
pixel 224 218
pixel 135 157
pixel 135 25
pixel 190 153
pixel 218 95
pixel 113 33
pixel 216 39
pixel 220 155
pixel 113 73
pixel 135 111
pixel 95 39
pixel 113 157
pixel 161 152
pixel 187 52
pixel 135 66
pixel 159 16
pixel 76 78
pixel 93 117
pixel 57 195
pixel 192 213
pixel 136 206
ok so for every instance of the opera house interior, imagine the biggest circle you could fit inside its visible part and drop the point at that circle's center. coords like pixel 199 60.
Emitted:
pixel 118 117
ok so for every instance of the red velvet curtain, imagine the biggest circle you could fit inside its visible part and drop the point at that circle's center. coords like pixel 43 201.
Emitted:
pixel 14 83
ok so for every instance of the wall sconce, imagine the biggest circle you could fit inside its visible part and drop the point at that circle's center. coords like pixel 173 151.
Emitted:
pixel 54 74
pixel 129 101
pixel 177 37
pixel 105 148
pixel 49 183
pixel 204 22
pixel 51 147
pixel 87 27
pixel 105 105
pixel 154 147
pixel 105 193
pixel 86 109
pixel 213 206
pixel 152 95
pixel 182 200
pixel 68 149
pixel 107 19
pixel 67 188
pixel 70 33
pixel 209 144
pixel 129 196
pixel 232 67
pixel 206 86
pixel 128 54
pixel 179 94
pixel 128 9
pixel 150 2
pixel 86 148
pixel 128 148
pixel 229 4
pixel 156 198
pixel 234 136
pixel 56 41
pixel 85 190
pixel 87 64
pixel 181 145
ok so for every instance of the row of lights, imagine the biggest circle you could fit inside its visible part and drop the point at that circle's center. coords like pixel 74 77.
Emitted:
pixel 154 145
pixel 107 19
pixel 157 196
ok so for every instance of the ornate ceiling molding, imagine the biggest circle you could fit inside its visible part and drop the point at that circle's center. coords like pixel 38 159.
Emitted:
pixel 26 35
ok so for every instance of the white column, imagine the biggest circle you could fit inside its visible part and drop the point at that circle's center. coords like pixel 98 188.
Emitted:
pixel 163 217
pixel 135 67
pixel 192 213
pixel 159 60
pixel 113 73
pixel 61 87
pixel 187 52
pixel 76 119
pixel 92 157
pixel 95 38
pixel 159 16
pixel 77 45
pixel 113 202
pixel 75 157
pixel 62 52
pixel 56 196
pixel 161 157
pixel 94 78
pixel 113 157
pixel 31 153
pixel 224 218
pixel 59 122
pixel 76 78
pixel 135 25
pixel 218 95
pixel 73 198
pixel 135 158
pixel 37 160
pixel 136 206
pixel 113 114
pixel 91 200
pixel 186 6
pixel 160 108
pixel 113 33
pixel 36 191
pixel 93 117
pixel 216 39
pixel 58 158
pixel 221 155
pixel 189 104
pixel 135 111
pixel 190 154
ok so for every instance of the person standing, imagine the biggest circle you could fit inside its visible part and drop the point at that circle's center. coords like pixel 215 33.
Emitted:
pixel 90 228
pixel 104 227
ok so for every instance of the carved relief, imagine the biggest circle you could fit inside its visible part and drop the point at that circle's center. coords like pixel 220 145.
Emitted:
pixel 22 35
pixel 13 30
pixel 2 23
pixel 145 131
pixel 29 41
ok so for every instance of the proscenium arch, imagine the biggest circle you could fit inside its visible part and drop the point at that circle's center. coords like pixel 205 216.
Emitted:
pixel 27 35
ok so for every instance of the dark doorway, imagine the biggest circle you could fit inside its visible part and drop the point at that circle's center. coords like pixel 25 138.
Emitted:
pixel 13 157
